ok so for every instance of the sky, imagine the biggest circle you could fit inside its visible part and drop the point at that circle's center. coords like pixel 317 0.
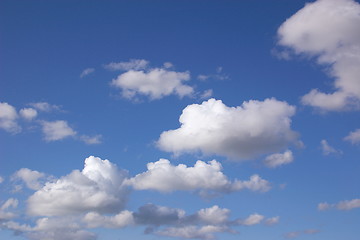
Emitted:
pixel 161 119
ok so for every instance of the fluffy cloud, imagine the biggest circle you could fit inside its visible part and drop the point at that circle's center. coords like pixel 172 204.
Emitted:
pixel 155 83
pixel 164 177
pixel 278 159
pixel 97 188
pixel 95 220
pixel 343 205
pixel 56 130
pixel 253 219
pixel 28 113
pixel 327 149
pixel 8 116
pixel 353 137
pixel 30 178
pixel 133 64
pixel 243 132
pixel 329 30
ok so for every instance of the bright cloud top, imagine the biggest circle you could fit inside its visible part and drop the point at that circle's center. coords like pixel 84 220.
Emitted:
pixel 243 132
pixel 154 83
pixel 329 30
pixel 98 187
pixel 164 177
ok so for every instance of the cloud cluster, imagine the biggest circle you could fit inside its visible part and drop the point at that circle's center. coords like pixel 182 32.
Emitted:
pixel 164 177
pixel 329 30
pixel 343 205
pixel 243 132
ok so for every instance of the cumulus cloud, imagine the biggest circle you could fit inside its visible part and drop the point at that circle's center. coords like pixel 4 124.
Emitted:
pixel 31 178
pixel 253 219
pixel 353 137
pixel 133 64
pixel 329 30
pixel 8 117
pixel 342 205
pixel 278 159
pixel 56 130
pixel 164 177
pixel 239 133
pixel 95 220
pixel 97 188
pixel 154 83
pixel 86 72
pixel 327 149
pixel 28 113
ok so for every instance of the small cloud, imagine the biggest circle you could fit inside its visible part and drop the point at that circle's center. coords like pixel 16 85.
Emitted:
pixel 353 137
pixel 278 159
pixel 202 77
pixel 272 221
pixel 8 118
pixel 1 179
pixel 45 107
pixel 56 130
pixel 29 177
pixel 296 234
pixel 91 140
pixel 342 205
pixel 168 65
pixel 133 64
pixel 86 72
pixel 206 94
pixel 327 149
pixel 28 113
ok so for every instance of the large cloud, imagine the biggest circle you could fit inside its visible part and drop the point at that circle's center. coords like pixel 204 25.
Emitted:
pixel 329 30
pixel 164 177
pixel 243 132
pixel 98 188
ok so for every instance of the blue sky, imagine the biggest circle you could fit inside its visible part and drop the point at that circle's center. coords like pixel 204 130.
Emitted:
pixel 179 119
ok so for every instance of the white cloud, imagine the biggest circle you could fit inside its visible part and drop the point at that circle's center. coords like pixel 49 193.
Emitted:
pixel 206 94
pixel 133 64
pixel 164 177
pixel 272 221
pixel 4 213
pixel 342 205
pixel 86 72
pixel 253 219
pixel 296 234
pixel 168 65
pixel 97 188
pixel 353 137
pixel 327 149
pixel 155 83
pixel 191 232
pixel 95 220
pixel 239 133
pixel 28 113
pixel 278 159
pixel 30 177
pixel 56 130
pixel 213 215
pixel 8 116
pixel 45 107
pixel 91 140
pixel 329 30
